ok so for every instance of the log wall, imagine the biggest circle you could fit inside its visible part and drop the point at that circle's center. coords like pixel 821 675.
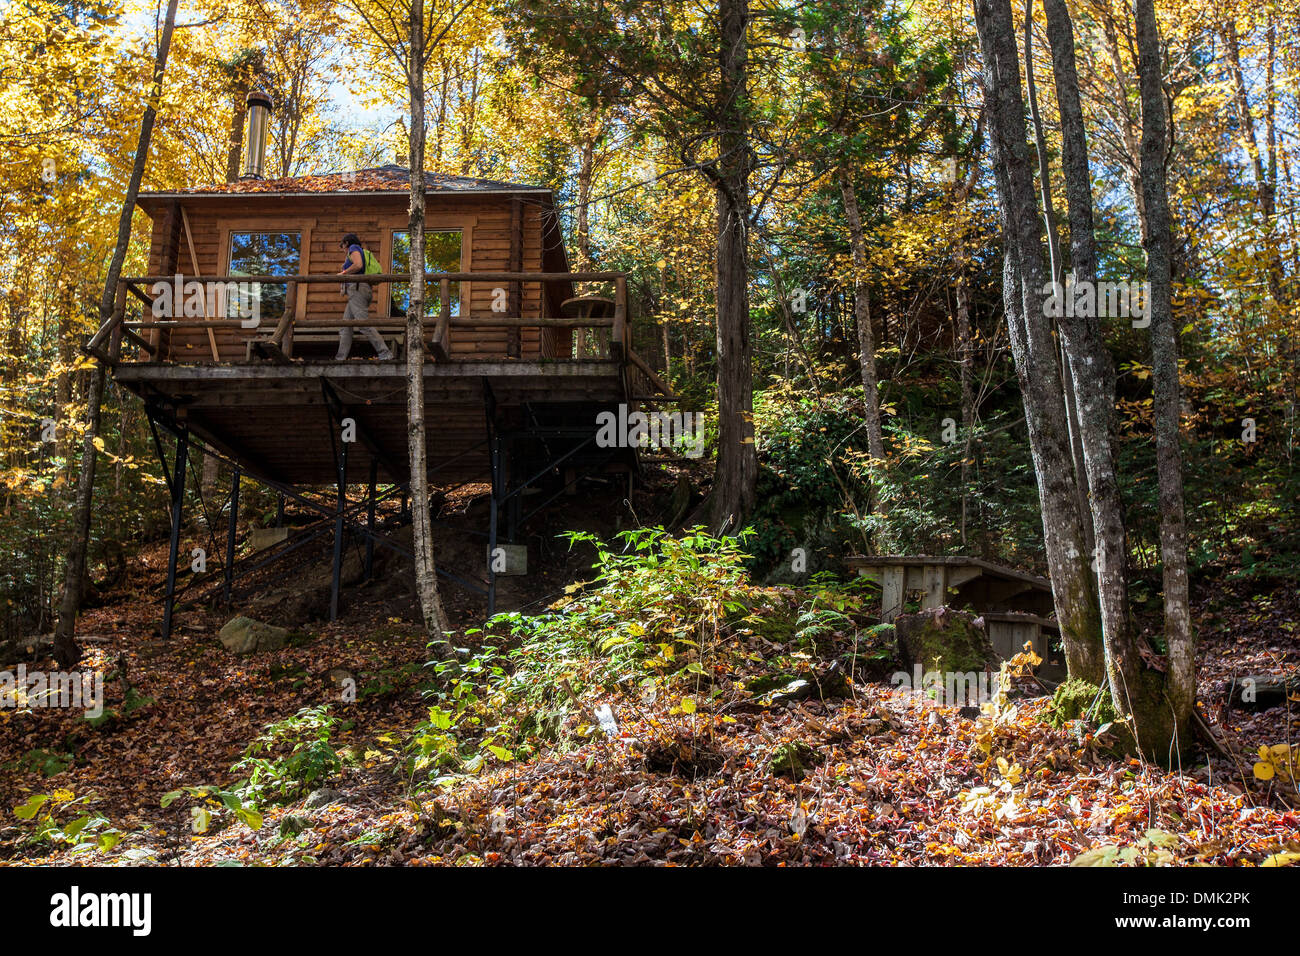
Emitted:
pixel 500 233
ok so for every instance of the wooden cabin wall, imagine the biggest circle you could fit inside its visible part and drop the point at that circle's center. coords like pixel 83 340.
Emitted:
pixel 500 233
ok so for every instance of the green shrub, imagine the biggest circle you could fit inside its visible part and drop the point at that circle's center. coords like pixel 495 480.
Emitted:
pixel 291 757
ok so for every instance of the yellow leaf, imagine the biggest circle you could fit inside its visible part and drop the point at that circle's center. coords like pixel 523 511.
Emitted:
pixel 1281 859
pixel 688 705
pixel 99 443
pixel 1263 771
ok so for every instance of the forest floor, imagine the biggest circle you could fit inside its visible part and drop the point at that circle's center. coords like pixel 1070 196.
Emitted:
pixel 881 775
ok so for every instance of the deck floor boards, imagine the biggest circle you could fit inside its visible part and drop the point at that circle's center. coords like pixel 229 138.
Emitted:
pixel 275 421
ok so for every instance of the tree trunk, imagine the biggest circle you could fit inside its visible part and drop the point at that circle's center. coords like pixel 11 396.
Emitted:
pixel 1055 268
pixel 235 149
pixel 1264 178
pixel 1033 348
pixel 965 365
pixel 426 571
pixel 1180 682
pixel 1092 369
pixel 965 342
pixel 66 650
pixel 585 167
pixel 736 472
pixel 862 314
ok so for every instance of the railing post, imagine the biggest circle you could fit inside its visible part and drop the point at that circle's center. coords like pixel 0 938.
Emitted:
pixel 119 316
pixel 370 517
pixel 179 462
pixel 618 338
pixel 230 534
pixel 341 464
pixel 286 320
pixel 442 331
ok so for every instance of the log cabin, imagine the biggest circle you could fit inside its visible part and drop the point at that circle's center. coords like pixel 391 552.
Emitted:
pixel 239 360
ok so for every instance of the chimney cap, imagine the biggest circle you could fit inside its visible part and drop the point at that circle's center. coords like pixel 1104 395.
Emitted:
pixel 258 98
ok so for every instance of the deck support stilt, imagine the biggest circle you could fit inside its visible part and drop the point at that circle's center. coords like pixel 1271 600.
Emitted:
pixel 495 454
pixel 230 535
pixel 177 486
pixel 342 459
pixel 370 517
pixel 514 502
pixel 494 470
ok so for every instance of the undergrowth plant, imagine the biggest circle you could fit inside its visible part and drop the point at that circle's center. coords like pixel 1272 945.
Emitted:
pixel 291 757
pixel 653 611
pixel 65 819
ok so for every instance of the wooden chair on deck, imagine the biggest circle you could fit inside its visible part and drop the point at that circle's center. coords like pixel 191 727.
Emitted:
pixel 588 307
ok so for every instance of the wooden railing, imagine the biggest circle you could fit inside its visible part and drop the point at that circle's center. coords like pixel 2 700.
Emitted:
pixel 108 341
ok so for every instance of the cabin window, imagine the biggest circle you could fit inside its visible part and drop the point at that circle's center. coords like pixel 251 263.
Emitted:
pixel 264 254
pixel 441 254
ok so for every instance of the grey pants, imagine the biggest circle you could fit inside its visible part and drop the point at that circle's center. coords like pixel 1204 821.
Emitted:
pixel 359 296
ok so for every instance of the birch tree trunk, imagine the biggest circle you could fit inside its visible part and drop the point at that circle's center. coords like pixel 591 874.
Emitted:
pixel 1180 682
pixel 1033 348
pixel 426 570
pixel 66 651
pixel 862 314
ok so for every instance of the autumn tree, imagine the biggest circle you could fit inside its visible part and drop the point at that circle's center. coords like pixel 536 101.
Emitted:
pixel 1170 707
pixel 1034 347
pixel 409 34
pixel 691 77
pixel 65 646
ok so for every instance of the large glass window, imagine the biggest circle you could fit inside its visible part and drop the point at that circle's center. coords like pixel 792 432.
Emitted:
pixel 441 254
pixel 264 254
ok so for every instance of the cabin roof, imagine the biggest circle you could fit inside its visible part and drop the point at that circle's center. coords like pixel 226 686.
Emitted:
pixel 390 180
pixel 378 179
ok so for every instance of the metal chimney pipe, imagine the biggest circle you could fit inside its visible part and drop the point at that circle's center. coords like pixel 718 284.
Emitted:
pixel 259 124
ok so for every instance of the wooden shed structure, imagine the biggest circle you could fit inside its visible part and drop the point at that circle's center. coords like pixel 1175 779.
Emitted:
pixel 1016 605
pixel 230 341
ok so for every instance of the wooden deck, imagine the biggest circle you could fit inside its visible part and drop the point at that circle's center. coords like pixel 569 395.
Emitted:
pixel 279 416
pixel 278 422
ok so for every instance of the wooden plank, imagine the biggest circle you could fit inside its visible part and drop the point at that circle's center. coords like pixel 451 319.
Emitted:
pixel 516 265
pixel 891 592
pixel 957 576
pixel 991 569
pixel 664 388
pixel 331 278
pixel 194 260
pixel 935 584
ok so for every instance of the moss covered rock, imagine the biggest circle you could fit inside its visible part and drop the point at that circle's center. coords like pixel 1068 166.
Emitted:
pixel 1074 700
pixel 793 759
pixel 951 636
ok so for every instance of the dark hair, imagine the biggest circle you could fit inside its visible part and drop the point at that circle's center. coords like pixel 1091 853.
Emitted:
pixel 351 239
